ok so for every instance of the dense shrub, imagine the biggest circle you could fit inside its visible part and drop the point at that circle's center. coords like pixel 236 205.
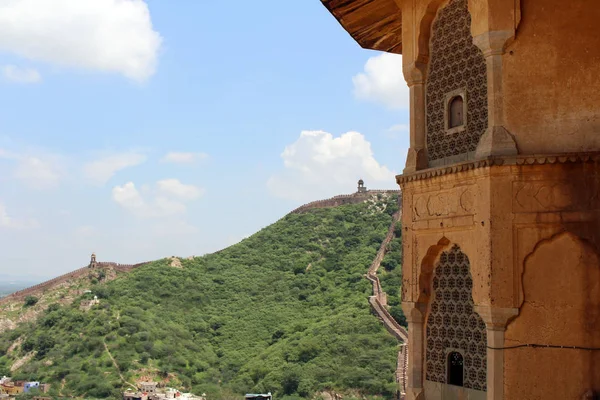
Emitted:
pixel 30 301
pixel 284 311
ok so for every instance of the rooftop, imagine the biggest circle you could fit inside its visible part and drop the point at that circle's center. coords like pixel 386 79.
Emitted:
pixel 373 24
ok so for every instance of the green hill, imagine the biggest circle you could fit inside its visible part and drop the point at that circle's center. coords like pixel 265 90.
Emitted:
pixel 284 311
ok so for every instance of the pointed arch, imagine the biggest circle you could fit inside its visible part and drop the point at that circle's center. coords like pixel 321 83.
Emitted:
pixel 427 267
pixel 452 325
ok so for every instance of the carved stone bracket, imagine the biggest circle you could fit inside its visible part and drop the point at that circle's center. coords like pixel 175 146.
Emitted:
pixel 414 312
pixel 496 318
pixel 496 141
pixel 416 159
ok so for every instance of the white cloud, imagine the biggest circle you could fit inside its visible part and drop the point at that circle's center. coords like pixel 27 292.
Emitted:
pixel 168 200
pixel 399 128
pixel 85 231
pixel 168 229
pixel 319 165
pixel 383 82
pixel 103 35
pixel 100 171
pixel 175 188
pixel 128 197
pixel 397 131
pixel 8 222
pixel 183 157
pixel 39 171
pixel 16 74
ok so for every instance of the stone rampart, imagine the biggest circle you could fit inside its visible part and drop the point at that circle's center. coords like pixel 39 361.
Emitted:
pixel 342 199
pixel 336 201
pixel 45 285
pixel 121 267
pixel 378 302
pixel 389 322
pixel 379 299
pixel 402 367
pixel 41 287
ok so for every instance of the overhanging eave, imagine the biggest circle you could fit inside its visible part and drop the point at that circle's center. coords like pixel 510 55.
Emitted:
pixel 373 24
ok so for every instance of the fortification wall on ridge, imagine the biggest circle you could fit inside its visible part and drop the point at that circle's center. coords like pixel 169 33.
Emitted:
pixel 41 287
pixel 378 302
pixel 121 267
pixel 342 199
pixel 45 285
pixel 336 201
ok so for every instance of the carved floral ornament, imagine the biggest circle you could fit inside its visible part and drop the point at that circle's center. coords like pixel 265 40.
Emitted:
pixel 554 196
pixel 460 201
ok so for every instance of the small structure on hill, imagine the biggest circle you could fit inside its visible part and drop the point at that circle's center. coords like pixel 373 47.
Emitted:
pixel 9 388
pixel 86 305
pixel 150 391
pixel 131 395
pixel 362 194
pixel 361 186
pixel 259 396
pixel 148 387
pixel 93 262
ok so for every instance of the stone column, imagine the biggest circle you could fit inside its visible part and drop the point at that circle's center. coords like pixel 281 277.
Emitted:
pixel 496 141
pixel 416 158
pixel 414 313
pixel 495 319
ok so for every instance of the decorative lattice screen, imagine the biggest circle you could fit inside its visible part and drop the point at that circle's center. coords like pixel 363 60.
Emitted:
pixel 456 63
pixel 453 325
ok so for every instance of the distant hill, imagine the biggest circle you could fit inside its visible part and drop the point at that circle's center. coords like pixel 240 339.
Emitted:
pixel 9 285
pixel 285 311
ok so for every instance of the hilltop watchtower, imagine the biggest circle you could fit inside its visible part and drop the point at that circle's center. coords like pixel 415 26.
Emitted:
pixel 361 186
pixel 93 263
pixel 501 192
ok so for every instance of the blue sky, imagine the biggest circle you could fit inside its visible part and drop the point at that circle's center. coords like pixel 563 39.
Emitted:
pixel 141 130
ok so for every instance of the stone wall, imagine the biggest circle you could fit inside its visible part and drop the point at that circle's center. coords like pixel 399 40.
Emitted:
pixel 530 228
pixel 341 200
pixel 556 48
pixel 378 302
pixel 41 287
pixel 121 267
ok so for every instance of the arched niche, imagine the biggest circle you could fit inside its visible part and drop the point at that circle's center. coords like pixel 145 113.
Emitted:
pixel 560 307
pixel 451 322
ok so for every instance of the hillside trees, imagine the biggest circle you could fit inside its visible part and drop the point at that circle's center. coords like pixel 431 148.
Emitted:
pixel 284 311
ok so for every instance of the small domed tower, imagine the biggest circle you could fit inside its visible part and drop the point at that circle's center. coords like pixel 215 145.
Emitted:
pixel 361 186
pixel 93 262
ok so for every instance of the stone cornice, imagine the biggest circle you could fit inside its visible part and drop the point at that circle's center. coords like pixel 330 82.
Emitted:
pixel 561 158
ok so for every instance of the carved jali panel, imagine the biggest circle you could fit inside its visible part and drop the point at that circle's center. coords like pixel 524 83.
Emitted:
pixel 456 63
pixel 453 325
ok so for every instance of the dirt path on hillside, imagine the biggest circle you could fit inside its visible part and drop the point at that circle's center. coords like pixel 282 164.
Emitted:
pixel 117 366
pixel 63 382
